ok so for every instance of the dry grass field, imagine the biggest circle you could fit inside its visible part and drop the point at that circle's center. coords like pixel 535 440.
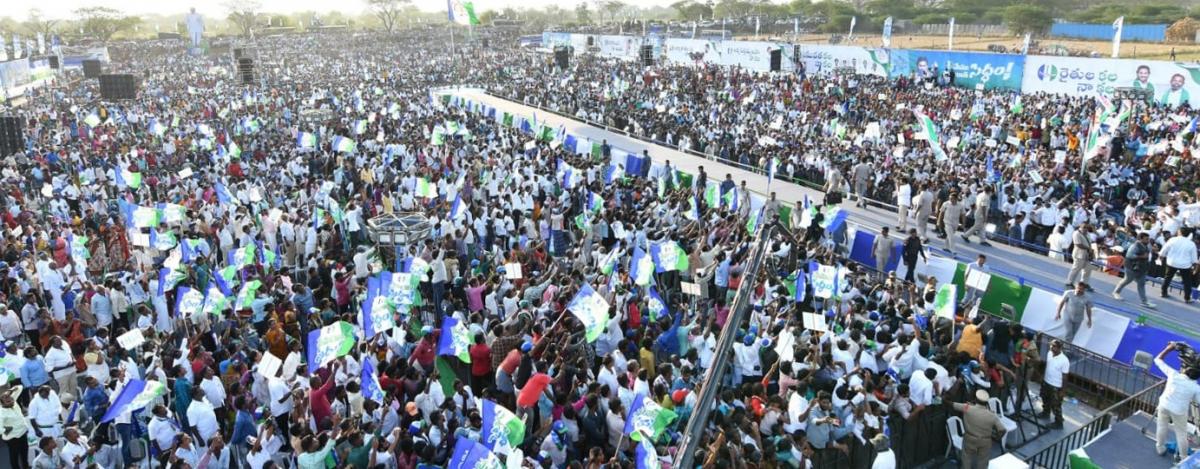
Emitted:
pixel 1140 50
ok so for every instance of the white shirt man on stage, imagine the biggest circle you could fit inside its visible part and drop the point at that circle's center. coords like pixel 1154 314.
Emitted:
pixel 195 27
pixel 1172 413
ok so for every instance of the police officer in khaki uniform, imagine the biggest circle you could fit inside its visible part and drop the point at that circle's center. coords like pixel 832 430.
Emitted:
pixel 952 214
pixel 981 426
pixel 924 207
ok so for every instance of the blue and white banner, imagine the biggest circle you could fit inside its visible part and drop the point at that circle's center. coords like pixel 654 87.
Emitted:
pixel 1003 71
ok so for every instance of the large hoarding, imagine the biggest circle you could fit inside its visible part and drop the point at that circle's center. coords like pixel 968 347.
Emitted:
pixel 621 47
pixel 821 59
pixel 1168 82
pixel 1004 71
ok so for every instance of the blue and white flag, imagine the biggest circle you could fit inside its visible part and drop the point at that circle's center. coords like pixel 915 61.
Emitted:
pixel 455 340
pixel 458 209
pixel 344 145
pixel 592 311
pixel 646 420
pixel 371 389
pixel 188 301
pixel 306 140
pixel 647 456
pixel 655 304
pixel 887 32
pixel 224 196
pixel 137 394
pixel 502 431
pixel 378 311
pixel 801 285
pixel 641 267
pixel 471 455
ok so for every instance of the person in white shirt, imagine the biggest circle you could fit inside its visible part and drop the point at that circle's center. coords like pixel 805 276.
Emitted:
pixel 162 428
pixel 214 393
pixel 1057 367
pixel 921 388
pixel 281 403
pixel 75 448
pixel 10 324
pixel 201 416
pixel 885 458
pixel 1181 392
pixel 1179 255
pixel 45 413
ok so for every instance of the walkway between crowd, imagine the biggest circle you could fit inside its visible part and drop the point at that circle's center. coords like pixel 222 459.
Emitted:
pixel 1008 261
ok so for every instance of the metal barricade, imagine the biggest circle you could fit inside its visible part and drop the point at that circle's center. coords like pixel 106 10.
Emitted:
pixel 1055 455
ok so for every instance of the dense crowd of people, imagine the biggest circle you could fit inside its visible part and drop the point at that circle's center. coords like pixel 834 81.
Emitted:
pixel 1021 161
pixel 191 281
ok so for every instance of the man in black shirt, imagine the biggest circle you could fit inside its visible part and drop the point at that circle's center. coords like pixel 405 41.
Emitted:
pixel 913 248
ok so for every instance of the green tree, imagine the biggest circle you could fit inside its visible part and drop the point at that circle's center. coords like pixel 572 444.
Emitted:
pixel 612 8
pixel 36 23
pixel 388 12
pixel 243 14
pixel 932 18
pixel 583 15
pixel 691 10
pixel 732 8
pixel 1023 19
pixel 104 22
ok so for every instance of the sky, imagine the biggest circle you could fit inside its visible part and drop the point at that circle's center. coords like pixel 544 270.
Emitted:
pixel 18 9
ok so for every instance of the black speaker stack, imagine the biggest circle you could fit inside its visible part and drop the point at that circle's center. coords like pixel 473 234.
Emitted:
pixel 562 57
pixel 12 139
pixel 54 62
pixel 245 70
pixel 646 53
pixel 92 68
pixel 115 87
pixel 776 60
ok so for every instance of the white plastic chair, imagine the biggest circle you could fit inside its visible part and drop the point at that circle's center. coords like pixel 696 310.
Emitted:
pixel 1009 425
pixel 955 431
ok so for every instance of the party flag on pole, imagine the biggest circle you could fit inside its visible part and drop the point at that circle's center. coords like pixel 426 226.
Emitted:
pixel 646 419
pixel 592 311
pixel 329 342
pixel 136 394
pixel 455 339
pixel 502 431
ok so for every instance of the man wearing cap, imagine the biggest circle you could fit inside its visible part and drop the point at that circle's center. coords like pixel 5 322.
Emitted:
pixel 1057 367
pixel 1177 397
pixel 980 424
pixel 556 444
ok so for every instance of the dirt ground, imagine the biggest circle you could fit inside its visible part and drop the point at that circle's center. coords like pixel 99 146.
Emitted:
pixel 1132 50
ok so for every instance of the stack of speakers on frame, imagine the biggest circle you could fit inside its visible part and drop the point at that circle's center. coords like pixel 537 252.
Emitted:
pixel 646 53
pixel 91 68
pixel 562 57
pixel 12 139
pixel 245 65
pixel 115 87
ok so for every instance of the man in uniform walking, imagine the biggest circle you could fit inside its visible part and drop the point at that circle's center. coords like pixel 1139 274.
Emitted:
pixel 981 425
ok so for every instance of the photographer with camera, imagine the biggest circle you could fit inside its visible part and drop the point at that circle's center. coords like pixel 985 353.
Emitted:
pixel 1181 390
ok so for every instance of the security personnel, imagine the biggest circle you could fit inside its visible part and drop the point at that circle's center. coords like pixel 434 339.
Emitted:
pixel 981 424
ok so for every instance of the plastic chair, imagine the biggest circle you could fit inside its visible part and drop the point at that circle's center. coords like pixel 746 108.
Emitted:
pixel 955 431
pixel 1009 425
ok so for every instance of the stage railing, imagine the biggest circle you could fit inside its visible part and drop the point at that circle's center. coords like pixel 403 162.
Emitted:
pixel 1055 455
